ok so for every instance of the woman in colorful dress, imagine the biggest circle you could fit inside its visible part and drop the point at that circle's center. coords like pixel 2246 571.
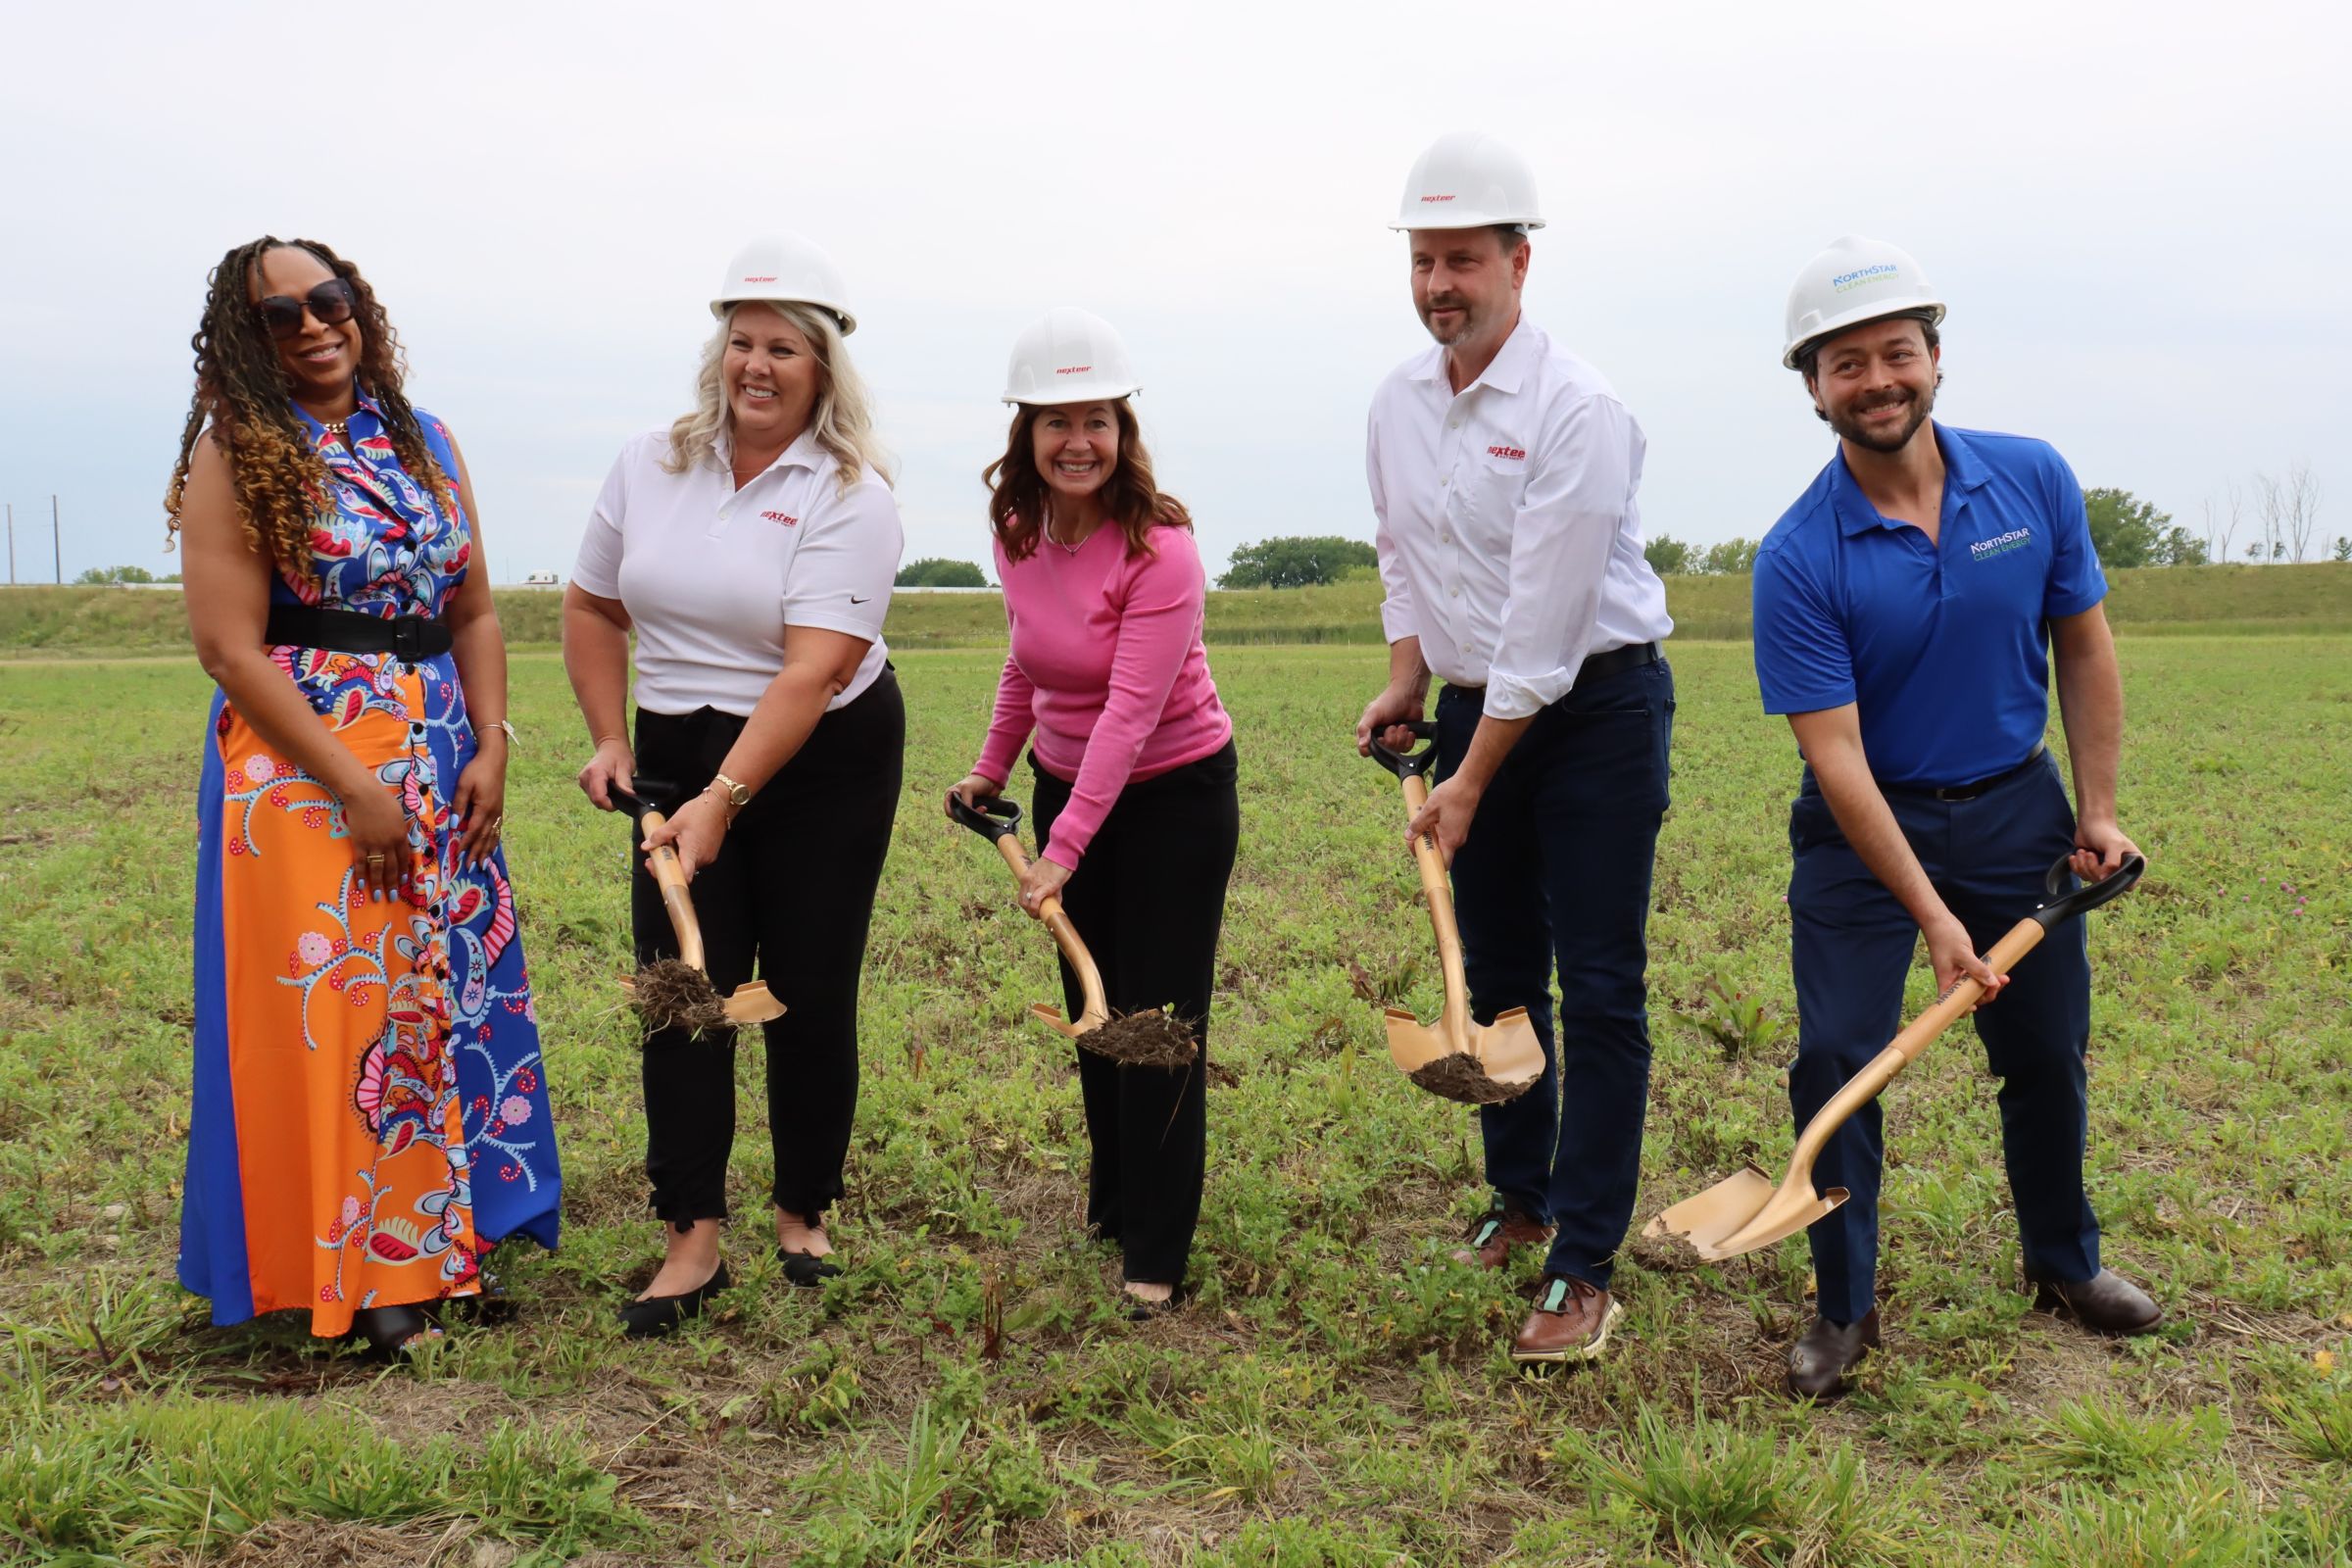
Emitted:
pixel 1136 808
pixel 751 546
pixel 370 1112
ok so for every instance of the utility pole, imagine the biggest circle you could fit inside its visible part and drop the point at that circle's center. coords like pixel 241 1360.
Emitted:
pixel 57 551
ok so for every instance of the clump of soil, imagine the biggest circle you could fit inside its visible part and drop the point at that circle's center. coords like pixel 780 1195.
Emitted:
pixel 1666 1252
pixel 1148 1038
pixel 1462 1078
pixel 671 993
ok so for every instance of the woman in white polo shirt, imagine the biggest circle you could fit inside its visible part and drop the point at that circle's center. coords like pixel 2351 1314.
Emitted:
pixel 752 546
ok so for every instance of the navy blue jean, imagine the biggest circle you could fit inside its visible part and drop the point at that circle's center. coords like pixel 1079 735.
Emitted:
pixel 1850 950
pixel 1557 867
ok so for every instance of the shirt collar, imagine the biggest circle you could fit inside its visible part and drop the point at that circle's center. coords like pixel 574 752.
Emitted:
pixel 1963 471
pixel 1504 372
pixel 804 452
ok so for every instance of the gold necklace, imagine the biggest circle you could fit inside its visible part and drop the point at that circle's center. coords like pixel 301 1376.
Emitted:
pixel 339 428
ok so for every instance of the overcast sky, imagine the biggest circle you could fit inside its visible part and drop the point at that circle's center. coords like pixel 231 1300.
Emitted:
pixel 2138 213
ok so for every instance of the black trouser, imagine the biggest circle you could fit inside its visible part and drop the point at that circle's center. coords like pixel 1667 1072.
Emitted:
pixel 789 894
pixel 1149 900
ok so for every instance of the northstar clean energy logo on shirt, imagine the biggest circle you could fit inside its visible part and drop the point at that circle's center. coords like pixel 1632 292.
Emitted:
pixel 2000 544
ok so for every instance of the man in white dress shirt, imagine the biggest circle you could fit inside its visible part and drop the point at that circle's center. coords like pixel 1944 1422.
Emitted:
pixel 1503 471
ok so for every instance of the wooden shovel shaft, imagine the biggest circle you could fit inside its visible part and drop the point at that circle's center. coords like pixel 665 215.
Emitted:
pixel 1454 1022
pixel 1867 1084
pixel 671 877
pixel 1066 935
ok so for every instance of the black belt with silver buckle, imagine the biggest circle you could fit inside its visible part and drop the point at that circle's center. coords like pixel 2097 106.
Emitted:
pixel 1967 792
pixel 347 631
pixel 1601 666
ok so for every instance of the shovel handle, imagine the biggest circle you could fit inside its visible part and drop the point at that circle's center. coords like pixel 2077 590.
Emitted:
pixel 671 877
pixel 1872 1081
pixel 1066 935
pixel 1456 1020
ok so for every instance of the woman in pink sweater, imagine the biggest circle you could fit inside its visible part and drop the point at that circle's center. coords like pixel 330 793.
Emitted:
pixel 1134 802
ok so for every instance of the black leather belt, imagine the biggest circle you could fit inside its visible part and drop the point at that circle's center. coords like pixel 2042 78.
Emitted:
pixel 347 631
pixel 1599 667
pixel 1967 792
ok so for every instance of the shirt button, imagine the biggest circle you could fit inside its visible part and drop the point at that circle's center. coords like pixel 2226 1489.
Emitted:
pixel 1445 538
pixel 1453 425
pixel 1455 592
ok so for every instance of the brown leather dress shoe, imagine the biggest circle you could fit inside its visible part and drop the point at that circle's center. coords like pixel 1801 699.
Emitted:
pixel 1498 1231
pixel 1826 1352
pixel 2107 1304
pixel 1571 1322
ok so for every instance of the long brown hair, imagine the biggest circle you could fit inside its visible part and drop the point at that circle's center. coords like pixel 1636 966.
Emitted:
pixel 245 397
pixel 1019 500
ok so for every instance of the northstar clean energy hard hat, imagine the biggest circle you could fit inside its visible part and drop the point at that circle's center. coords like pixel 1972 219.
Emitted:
pixel 1855 281
pixel 1069 356
pixel 785 270
pixel 1468 180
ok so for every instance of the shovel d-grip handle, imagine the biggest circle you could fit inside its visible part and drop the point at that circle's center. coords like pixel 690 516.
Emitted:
pixel 2022 938
pixel 998 820
pixel 1413 765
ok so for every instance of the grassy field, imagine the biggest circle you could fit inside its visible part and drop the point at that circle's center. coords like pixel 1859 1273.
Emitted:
pixel 2195 601
pixel 1339 1395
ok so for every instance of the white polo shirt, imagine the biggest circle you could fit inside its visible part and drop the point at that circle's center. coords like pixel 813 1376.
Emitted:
pixel 1509 540
pixel 710 575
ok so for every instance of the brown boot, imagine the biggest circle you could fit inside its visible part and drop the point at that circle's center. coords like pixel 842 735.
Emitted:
pixel 2107 1304
pixel 1498 1231
pixel 1571 1322
pixel 1826 1352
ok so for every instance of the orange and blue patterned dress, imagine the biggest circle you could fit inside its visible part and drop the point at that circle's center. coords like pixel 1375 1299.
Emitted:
pixel 371 1110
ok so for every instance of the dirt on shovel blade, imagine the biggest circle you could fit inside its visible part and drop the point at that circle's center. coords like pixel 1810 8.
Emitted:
pixel 1667 1253
pixel 1462 1078
pixel 1150 1039
pixel 672 993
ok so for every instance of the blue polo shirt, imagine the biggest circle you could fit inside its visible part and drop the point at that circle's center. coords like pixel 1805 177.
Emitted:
pixel 1941 645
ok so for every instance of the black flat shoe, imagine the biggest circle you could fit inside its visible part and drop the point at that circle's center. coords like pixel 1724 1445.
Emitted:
pixel 657 1315
pixel 806 1268
pixel 393 1333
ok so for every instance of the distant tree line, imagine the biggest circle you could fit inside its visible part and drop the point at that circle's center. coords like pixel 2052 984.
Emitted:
pixel 1670 556
pixel 1298 562
pixel 936 571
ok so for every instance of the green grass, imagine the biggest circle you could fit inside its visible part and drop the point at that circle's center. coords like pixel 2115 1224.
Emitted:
pixel 2172 600
pixel 966 1393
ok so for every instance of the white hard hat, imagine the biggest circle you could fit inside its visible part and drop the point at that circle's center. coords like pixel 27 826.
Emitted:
pixel 1468 180
pixel 785 270
pixel 1855 281
pixel 1069 356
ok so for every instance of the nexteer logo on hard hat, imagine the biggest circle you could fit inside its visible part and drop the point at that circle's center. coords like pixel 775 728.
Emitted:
pixel 767 277
pixel 1073 369
pixel 1864 275
pixel 1448 196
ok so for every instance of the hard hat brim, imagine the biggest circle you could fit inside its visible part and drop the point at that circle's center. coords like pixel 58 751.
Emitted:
pixel 1457 221
pixel 1929 310
pixel 847 321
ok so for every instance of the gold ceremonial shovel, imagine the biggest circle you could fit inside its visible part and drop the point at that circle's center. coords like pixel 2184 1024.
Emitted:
pixel 1455 1058
pixel 1745 1210
pixel 678 991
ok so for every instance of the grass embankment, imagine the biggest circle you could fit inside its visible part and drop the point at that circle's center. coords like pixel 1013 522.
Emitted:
pixel 1337 1395
pixel 2196 600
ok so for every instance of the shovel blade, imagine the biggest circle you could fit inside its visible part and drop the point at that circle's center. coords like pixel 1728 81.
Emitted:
pixel 1743 1212
pixel 1508 1047
pixel 752 1003
pixel 1411 1046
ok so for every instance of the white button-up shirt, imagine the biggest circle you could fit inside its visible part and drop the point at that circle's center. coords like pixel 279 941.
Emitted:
pixel 710 575
pixel 1509 539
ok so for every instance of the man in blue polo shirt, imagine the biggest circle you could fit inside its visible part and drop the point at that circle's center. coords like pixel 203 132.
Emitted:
pixel 1901 610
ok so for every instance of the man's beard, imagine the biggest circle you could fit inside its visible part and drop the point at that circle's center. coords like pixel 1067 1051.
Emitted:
pixel 1848 423
pixel 1462 331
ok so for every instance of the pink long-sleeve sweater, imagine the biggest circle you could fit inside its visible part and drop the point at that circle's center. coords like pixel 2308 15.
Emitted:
pixel 1106 665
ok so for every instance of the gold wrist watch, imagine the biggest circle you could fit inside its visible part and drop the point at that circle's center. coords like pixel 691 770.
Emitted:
pixel 736 796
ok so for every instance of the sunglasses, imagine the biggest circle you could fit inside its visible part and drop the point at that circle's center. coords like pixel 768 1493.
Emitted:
pixel 331 302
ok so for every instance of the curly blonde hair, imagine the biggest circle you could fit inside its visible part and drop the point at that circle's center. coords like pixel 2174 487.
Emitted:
pixel 245 399
pixel 843 417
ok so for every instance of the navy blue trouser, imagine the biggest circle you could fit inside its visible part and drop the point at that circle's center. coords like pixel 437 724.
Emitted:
pixel 1557 867
pixel 1850 950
